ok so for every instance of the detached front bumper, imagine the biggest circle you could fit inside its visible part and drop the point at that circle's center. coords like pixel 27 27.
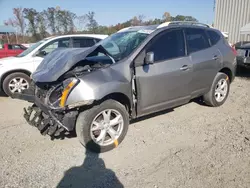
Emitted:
pixel 26 95
pixel 47 120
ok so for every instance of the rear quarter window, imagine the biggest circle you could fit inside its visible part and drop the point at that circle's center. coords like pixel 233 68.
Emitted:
pixel 214 37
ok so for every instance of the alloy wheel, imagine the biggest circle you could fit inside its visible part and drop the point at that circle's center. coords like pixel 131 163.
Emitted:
pixel 17 85
pixel 107 127
pixel 221 90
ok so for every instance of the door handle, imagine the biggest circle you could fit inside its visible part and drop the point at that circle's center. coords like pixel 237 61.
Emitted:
pixel 184 67
pixel 215 57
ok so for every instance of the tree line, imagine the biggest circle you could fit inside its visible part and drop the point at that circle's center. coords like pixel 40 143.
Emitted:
pixel 32 25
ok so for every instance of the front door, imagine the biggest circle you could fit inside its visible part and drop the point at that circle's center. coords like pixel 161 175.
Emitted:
pixel 165 83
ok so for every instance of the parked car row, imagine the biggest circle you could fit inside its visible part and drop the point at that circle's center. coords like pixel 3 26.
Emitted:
pixel 15 71
pixel 137 71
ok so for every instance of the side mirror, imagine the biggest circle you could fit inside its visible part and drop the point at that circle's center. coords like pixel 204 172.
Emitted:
pixel 41 53
pixel 149 59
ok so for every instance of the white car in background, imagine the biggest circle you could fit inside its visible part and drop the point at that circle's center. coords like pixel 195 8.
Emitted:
pixel 15 71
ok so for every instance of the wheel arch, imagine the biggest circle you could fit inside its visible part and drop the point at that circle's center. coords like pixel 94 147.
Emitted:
pixel 120 97
pixel 228 72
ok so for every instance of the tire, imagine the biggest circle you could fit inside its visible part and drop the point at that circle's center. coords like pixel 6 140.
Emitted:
pixel 210 98
pixel 9 79
pixel 84 124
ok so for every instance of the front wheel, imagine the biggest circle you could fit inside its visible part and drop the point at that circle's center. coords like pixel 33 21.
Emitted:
pixel 219 91
pixel 102 127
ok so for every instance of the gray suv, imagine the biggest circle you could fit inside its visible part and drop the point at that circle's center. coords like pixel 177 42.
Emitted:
pixel 132 73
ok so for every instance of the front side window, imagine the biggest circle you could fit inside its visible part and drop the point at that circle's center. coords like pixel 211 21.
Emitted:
pixel 30 49
pixel 83 42
pixel 167 45
pixel 196 40
pixel 58 43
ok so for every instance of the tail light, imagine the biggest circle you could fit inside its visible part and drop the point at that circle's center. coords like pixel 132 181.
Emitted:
pixel 234 51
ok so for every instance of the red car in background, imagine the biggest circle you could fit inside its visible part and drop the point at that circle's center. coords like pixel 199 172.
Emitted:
pixel 8 50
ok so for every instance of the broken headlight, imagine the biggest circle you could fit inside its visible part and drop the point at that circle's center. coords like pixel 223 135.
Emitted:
pixel 59 94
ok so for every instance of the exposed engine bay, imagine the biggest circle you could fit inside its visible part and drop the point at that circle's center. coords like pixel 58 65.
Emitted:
pixel 86 66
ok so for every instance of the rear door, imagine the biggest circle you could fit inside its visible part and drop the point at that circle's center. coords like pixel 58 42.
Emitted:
pixel 204 58
pixel 166 82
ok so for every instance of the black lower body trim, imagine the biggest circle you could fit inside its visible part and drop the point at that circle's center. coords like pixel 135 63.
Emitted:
pixel 26 95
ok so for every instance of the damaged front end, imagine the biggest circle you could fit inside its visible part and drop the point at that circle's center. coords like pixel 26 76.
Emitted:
pixel 48 112
pixel 57 96
pixel 54 124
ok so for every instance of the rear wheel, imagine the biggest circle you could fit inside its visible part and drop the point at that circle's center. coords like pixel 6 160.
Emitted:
pixel 103 127
pixel 16 83
pixel 219 91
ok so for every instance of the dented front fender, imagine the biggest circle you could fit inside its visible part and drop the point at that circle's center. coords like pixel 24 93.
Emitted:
pixel 100 83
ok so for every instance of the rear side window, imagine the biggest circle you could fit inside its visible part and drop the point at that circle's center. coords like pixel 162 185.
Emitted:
pixel 83 42
pixel 196 40
pixel 167 45
pixel 214 37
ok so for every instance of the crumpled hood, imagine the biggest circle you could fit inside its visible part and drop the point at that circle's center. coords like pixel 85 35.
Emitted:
pixel 60 61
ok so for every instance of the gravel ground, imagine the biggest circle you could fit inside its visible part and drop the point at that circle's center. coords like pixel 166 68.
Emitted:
pixel 190 146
